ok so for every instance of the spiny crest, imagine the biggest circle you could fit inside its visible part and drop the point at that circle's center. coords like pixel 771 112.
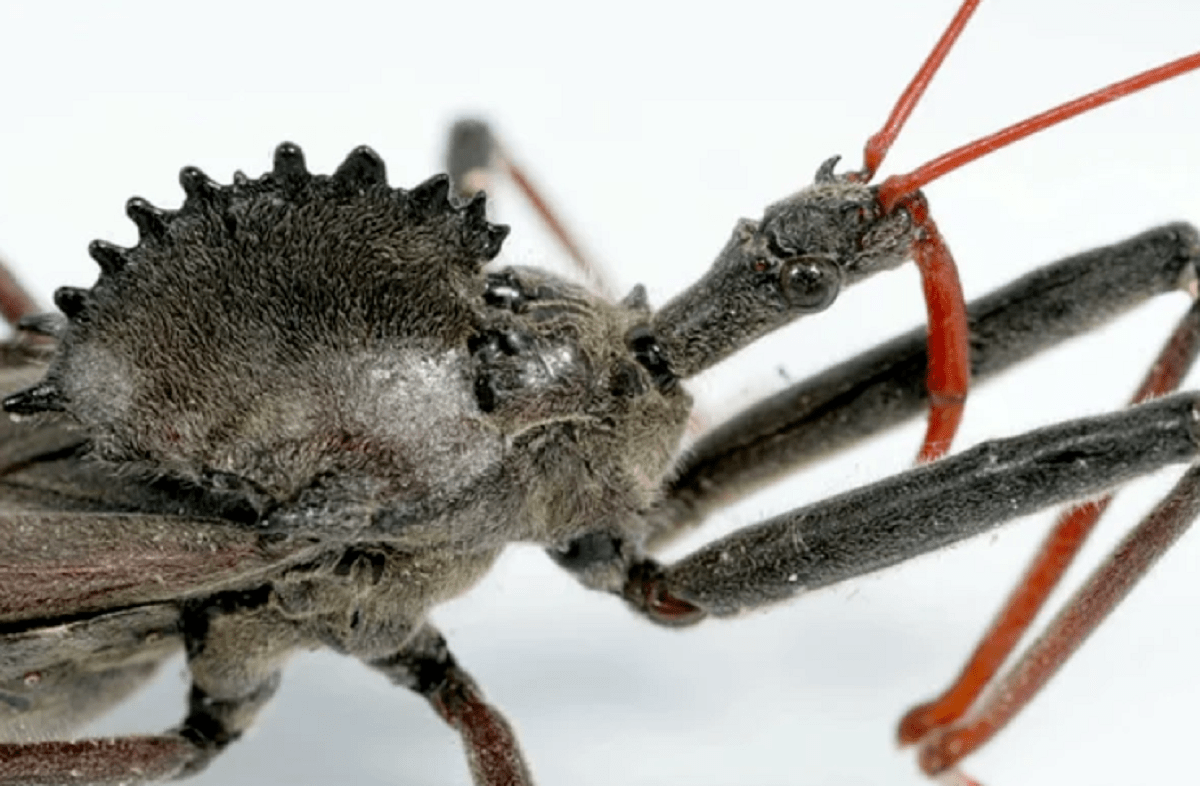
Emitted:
pixel 72 301
pixel 426 199
pixel 289 168
pixel 112 259
pixel 461 229
pixel 363 168
pixel 198 186
pixel 151 222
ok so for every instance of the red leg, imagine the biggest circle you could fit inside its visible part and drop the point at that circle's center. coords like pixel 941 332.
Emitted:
pixel 1131 560
pixel 122 760
pixel 474 154
pixel 15 301
pixel 426 666
pixel 948 372
pixel 492 751
pixel 592 271
pixel 1052 560
pixel 946 747
pixel 1054 557
pixel 949 352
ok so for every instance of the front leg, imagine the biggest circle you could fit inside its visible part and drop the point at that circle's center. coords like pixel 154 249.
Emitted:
pixel 930 507
pixel 425 665
pixel 901 517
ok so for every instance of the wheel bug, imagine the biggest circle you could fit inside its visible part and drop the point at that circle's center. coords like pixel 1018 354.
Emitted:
pixel 799 152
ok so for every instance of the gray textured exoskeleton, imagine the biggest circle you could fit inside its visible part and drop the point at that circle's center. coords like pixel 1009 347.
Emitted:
pixel 302 411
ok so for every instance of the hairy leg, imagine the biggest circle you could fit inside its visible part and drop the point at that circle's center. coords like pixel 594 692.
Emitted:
pixel 426 666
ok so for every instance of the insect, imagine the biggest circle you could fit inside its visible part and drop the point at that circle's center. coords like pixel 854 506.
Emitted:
pixel 702 253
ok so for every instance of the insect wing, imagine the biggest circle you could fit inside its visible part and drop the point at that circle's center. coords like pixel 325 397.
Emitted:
pixel 55 677
pixel 55 564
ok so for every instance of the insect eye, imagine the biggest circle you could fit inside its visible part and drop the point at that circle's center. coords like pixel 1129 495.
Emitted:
pixel 810 282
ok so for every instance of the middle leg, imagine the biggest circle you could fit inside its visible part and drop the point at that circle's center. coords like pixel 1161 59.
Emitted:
pixel 425 665
pixel 922 510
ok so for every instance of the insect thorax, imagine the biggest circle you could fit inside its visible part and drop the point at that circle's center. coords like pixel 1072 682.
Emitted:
pixel 298 332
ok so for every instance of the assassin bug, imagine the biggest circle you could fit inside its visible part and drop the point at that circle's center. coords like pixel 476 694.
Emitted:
pixel 723 227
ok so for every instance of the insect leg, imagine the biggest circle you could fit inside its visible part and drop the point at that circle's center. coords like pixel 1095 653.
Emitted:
pixel 236 643
pixel 474 155
pixel 1052 560
pixel 15 300
pixel 128 760
pixel 948 343
pixel 21 310
pixel 885 385
pixel 1090 605
pixel 211 724
pixel 426 666
pixel 919 511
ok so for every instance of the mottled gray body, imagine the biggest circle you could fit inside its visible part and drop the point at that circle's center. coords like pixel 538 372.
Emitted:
pixel 300 413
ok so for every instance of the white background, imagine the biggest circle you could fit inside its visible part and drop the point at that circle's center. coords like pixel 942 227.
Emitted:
pixel 656 126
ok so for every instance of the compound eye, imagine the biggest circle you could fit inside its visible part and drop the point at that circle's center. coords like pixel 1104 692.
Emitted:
pixel 810 283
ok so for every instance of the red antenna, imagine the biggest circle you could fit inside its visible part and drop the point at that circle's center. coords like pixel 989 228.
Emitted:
pixel 880 143
pixel 943 728
pixel 897 187
pixel 948 371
